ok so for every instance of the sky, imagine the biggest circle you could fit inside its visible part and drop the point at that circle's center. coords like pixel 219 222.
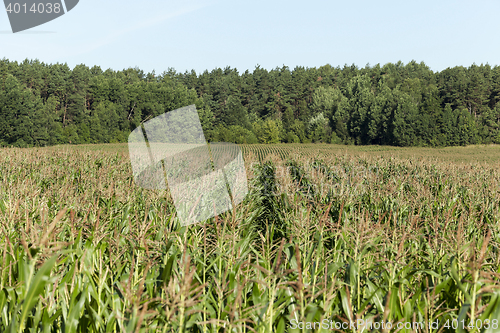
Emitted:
pixel 207 34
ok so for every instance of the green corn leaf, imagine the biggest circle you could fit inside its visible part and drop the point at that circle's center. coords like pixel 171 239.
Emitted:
pixel 460 285
pixel 36 287
pixel 463 316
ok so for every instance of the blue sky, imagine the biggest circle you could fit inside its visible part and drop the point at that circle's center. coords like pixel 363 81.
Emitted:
pixel 199 34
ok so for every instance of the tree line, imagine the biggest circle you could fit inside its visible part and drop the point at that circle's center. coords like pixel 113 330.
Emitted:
pixel 394 104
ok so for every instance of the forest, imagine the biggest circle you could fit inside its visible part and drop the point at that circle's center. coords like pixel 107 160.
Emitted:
pixel 393 104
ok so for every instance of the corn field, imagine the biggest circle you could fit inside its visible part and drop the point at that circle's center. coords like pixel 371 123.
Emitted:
pixel 324 241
